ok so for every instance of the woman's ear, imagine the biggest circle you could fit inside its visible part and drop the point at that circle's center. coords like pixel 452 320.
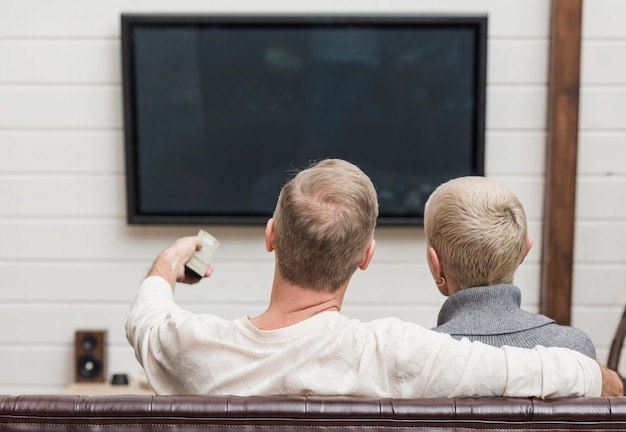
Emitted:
pixel 529 245
pixel 269 235
pixel 433 262
pixel 369 254
pixel 437 270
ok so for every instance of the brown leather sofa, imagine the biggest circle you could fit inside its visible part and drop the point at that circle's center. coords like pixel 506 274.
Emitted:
pixel 185 413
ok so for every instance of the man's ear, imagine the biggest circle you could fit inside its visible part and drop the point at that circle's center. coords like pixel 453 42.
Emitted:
pixel 529 245
pixel 369 254
pixel 269 235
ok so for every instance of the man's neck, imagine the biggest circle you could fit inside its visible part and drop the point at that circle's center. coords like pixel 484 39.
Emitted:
pixel 291 304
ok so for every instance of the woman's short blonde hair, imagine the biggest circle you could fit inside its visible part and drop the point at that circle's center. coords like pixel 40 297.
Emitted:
pixel 478 229
pixel 324 221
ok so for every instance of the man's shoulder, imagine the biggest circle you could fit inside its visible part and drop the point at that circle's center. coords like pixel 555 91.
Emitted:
pixel 394 328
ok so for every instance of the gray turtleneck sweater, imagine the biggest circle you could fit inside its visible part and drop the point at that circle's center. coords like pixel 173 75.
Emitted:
pixel 492 315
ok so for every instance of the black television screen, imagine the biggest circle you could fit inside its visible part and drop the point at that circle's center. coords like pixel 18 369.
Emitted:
pixel 220 110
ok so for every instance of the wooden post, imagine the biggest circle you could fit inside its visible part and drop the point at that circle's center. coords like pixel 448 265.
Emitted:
pixel 562 149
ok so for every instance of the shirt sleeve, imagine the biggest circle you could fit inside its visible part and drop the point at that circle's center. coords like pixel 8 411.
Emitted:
pixel 151 304
pixel 432 364
pixel 147 332
pixel 550 373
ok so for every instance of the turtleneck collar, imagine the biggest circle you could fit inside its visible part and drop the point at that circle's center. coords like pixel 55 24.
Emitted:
pixel 487 310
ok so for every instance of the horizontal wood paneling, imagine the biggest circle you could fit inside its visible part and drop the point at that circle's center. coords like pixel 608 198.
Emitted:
pixel 95 107
pixel 515 153
pixel 56 323
pixel 601 198
pixel 600 284
pixel 587 318
pixel 603 108
pixel 68 196
pixel 64 61
pixel 602 153
pixel 518 61
pixel 600 242
pixel 603 62
pixel 61 152
pixel 516 108
pixel 604 19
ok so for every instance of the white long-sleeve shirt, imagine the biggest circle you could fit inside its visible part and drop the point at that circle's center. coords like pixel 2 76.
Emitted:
pixel 330 354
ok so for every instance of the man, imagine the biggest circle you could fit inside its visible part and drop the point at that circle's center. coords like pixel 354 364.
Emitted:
pixel 321 232
pixel 477 237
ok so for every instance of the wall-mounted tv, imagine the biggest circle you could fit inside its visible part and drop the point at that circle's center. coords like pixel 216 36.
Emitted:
pixel 220 110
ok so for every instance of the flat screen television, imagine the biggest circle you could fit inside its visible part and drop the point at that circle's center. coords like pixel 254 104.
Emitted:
pixel 221 110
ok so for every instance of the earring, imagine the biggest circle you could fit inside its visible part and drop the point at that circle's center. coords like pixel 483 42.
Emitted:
pixel 442 283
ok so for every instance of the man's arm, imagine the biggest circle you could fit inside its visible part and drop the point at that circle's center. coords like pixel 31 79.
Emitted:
pixel 440 366
pixel 153 305
pixel 612 384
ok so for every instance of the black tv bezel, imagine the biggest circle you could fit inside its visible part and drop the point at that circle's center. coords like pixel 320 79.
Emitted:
pixel 128 20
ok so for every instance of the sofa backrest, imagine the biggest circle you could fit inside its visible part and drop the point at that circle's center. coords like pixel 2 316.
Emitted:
pixel 185 413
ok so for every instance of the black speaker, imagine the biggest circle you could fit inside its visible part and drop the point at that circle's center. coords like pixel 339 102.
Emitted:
pixel 90 356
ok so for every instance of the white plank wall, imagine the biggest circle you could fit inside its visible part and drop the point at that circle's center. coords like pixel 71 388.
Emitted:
pixel 599 255
pixel 69 261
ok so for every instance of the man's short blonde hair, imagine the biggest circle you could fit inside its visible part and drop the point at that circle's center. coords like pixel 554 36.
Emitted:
pixel 324 221
pixel 478 229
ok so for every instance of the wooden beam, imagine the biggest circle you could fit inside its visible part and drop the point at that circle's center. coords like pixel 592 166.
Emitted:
pixel 562 149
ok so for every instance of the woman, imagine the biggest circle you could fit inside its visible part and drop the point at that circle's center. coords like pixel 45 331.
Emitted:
pixel 477 237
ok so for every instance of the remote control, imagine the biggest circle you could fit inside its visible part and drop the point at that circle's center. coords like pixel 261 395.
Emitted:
pixel 201 259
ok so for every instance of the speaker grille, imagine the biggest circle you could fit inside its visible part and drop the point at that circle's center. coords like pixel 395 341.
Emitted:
pixel 90 356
